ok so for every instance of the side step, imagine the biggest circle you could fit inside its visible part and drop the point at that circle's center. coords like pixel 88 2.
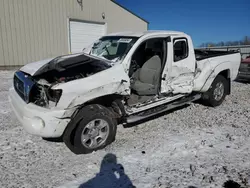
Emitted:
pixel 163 108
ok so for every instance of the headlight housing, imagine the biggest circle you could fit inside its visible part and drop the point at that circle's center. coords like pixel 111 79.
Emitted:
pixel 54 95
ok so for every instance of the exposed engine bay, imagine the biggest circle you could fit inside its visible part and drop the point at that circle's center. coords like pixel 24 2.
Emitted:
pixel 73 72
pixel 58 71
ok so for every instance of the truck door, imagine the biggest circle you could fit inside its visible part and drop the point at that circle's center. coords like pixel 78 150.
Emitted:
pixel 178 76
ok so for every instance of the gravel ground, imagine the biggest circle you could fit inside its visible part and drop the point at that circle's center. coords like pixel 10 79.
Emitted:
pixel 193 146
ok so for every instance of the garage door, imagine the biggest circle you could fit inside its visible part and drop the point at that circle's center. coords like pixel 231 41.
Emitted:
pixel 83 34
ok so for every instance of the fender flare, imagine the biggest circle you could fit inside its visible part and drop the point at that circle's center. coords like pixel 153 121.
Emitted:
pixel 116 88
pixel 216 71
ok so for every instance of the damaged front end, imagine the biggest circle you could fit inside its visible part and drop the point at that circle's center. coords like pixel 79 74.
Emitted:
pixel 33 91
pixel 37 88
pixel 44 95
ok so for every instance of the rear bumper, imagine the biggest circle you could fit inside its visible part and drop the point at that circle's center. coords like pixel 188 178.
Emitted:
pixel 37 120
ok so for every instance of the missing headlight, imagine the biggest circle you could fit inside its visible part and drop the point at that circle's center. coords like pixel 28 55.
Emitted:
pixel 54 95
pixel 44 96
pixel 38 96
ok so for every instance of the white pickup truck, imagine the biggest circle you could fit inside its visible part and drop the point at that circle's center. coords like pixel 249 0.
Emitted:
pixel 120 79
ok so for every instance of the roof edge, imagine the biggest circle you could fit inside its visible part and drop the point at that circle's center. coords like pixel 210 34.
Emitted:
pixel 129 11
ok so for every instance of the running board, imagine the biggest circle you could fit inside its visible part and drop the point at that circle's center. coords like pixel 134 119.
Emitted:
pixel 158 102
pixel 163 108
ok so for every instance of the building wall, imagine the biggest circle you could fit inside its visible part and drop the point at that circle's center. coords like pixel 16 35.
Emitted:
pixel 31 30
pixel 123 21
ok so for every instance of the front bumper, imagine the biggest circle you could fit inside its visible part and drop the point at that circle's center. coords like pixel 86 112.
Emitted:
pixel 243 75
pixel 48 123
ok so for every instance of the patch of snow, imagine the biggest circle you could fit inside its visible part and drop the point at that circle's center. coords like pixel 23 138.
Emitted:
pixel 192 146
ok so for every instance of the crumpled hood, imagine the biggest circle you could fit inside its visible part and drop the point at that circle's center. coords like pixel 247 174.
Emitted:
pixel 32 68
pixel 59 63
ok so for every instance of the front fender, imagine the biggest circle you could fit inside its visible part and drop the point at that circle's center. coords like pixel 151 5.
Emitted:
pixel 111 81
pixel 119 88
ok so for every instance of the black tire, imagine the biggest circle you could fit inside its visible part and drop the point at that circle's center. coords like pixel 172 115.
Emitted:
pixel 209 98
pixel 73 133
pixel 59 139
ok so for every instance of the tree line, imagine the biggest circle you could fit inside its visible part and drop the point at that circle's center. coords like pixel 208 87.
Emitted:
pixel 244 41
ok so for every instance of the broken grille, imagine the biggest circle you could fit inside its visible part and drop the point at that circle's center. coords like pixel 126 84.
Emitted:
pixel 19 87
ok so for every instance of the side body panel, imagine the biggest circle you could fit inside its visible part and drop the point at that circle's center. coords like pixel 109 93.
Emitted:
pixel 178 76
pixel 78 92
pixel 208 69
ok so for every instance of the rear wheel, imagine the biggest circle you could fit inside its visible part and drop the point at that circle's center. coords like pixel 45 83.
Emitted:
pixel 94 129
pixel 217 92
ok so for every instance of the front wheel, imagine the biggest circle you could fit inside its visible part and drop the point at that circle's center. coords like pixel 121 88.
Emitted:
pixel 217 92
pixel 95 129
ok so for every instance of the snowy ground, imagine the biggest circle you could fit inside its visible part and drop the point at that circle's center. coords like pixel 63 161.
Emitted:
pixel 194 146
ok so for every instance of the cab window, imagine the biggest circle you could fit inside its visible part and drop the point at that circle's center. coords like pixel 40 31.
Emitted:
pixel 180 49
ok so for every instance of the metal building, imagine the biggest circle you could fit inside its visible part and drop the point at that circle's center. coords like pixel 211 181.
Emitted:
pixel 31 30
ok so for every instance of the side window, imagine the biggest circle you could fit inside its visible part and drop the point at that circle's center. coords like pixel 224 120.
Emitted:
pixel 180 49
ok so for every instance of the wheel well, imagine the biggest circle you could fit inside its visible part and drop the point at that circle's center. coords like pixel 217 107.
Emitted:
pixel 226 74
pixel 113 102
pixel 104 100
pixel 70 131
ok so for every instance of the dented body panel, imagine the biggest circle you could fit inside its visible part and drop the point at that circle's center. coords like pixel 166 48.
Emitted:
pixel 66 83
pixel 179 73
pixel 208 69
pixel 37 120
pixel 110 81
pixel 181 80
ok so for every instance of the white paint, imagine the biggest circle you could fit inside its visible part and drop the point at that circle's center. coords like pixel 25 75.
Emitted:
pixel 97 85
pixel 148 33
pixel 179 74
pixel 166 71
pixel 153 104
pixel 143 37
pixel 181 78
pixel 37 120
pixel 208 69
pixel 31 68
pixel 180 81
pixel 82 34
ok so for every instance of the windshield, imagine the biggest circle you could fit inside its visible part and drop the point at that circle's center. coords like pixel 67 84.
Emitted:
pixel 113 48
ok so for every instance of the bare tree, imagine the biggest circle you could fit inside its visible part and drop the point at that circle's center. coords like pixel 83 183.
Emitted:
pixel 244 41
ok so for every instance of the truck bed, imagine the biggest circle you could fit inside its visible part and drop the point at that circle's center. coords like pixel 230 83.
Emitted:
pixel 211 63
pixel 201 54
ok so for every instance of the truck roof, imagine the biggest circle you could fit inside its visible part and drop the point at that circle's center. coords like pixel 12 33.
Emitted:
pixel 149 32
